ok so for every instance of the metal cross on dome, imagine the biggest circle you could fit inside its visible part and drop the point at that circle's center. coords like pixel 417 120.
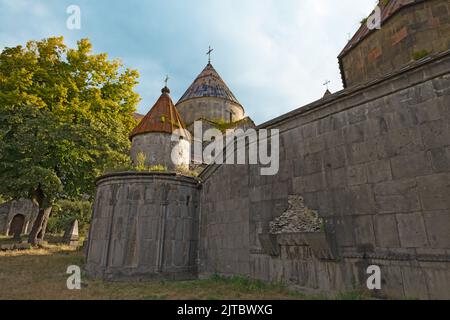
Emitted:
pixel 327 83
pixel 209 53
pixel 166 80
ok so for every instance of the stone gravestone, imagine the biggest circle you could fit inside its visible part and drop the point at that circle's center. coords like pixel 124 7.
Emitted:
pixel 71 236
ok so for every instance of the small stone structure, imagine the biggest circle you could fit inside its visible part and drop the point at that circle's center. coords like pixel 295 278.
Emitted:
pixel 17 217
pixel 144 225
pixel 161 137
pixel 71 235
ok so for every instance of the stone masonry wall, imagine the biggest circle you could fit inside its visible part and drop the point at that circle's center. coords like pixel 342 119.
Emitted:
pixel 374 162
pixel 424 26
pixel 209 108
pixel 144 225
pixel 157 148
pixel 10 209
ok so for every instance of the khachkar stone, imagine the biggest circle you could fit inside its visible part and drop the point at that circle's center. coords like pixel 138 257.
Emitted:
pixel 297 218
pixel 160 138
pixel 71 235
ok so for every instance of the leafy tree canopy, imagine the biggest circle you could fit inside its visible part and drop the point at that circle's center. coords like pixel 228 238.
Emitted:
pixel 65 114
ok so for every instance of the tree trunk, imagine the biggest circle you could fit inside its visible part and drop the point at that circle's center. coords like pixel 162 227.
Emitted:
pixel 44 226
pixel 39 225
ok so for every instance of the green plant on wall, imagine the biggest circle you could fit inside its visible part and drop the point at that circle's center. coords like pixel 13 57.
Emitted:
pixel 417 55
pixel 157 168
pixel 140 161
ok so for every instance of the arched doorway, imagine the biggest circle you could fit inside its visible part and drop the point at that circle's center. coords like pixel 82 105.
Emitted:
pixel 16 226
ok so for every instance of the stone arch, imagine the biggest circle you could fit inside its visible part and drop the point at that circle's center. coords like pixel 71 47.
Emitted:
pixel 17 224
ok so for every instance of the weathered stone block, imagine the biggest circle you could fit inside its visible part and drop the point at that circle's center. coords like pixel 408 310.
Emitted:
pixel 397 196
pixel 357 114
pixel 334 158
pixel 362 199
pixel 354 133
pixel 435 134
pixel 440 159
pixel 392 281
pixel 438 228
pixel 386 231
pixel 312 163
pixel 364 231
pixel 412 230
pixel 411 165
pixel 414 283
pixel 361 152
pixel 434 191
pixel 337 178
pixel 356 175
pixel 379 171
pixel 437 281
pixel 399 142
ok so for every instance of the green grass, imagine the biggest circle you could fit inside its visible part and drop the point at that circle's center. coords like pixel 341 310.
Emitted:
pixel 40 273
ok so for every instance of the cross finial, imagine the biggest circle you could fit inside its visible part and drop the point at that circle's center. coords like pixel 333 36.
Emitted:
pixel 209 53
pixel 327 82
pixel 166 80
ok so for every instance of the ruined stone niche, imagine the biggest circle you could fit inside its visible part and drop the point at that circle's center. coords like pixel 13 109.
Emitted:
pixel 298 229
pixel 297 218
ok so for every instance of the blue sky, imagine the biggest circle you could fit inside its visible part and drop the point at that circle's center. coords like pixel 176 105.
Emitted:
pixel 274 55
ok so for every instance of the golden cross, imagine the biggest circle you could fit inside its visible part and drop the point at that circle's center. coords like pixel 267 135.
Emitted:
pixel 209 54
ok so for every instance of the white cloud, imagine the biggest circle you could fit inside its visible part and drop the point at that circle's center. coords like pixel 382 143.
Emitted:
pixel 275 55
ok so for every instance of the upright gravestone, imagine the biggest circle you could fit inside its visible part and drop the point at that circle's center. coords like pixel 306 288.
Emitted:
pixel 71 236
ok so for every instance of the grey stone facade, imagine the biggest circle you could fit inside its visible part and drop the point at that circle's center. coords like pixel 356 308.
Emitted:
pixel 157 148
pixel 23 209
pixel 372 161
pixel 144 225
pixel 211 108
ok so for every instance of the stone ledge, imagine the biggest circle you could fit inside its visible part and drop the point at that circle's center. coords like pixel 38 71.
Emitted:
pixel 143 175
pixel 398 257
pixel 317 241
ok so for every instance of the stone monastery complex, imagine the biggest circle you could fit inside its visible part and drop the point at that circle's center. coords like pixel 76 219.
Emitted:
pixel 364 178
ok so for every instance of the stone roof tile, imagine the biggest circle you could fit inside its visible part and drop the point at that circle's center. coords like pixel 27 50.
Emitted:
pixel 208 84
pixel 162 117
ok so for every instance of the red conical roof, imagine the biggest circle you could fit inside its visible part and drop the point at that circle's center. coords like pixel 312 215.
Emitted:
pixel 162 117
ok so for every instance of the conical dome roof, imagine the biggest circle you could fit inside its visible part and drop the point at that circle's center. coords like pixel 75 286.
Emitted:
pixel 162 117
pixel 208 84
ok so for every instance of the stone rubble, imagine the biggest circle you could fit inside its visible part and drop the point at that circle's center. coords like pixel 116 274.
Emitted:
pixel 297 218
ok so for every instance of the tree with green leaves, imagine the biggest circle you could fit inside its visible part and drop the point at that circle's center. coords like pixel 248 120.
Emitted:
pixel 65 115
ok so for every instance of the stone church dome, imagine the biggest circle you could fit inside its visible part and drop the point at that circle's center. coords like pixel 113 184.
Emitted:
pixel 208 97
pixel 154 136
pixel 208 84
pixel 162 117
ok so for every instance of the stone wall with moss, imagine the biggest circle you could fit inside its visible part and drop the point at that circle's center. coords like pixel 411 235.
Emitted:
pixel 412 33
pixel 158 147
pixel 210 108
